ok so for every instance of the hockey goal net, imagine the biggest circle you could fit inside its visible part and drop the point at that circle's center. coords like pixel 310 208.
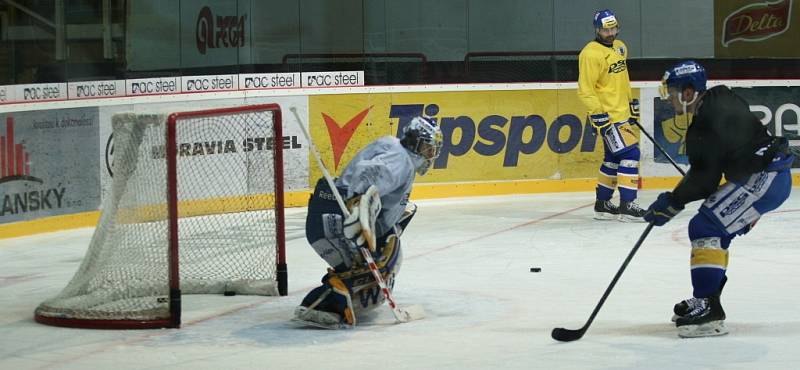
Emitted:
pixel 196 207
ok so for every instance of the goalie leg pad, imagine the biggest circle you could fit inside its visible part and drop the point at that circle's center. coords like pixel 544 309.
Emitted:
pixel 333 298
pixel 338 251
pixel 319 319
pixel 324 229
pixel 344 295
pixel 367 294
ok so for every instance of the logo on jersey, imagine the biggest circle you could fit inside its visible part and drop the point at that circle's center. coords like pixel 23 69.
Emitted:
pixel 341 134
pixel 617 67
pixel 756 22
pixel 734 205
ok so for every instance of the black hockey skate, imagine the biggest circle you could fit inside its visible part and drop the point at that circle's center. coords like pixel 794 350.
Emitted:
pixel 705 318
pixel 686 306
pixel 605 210
pixel 631 212
pixel 683 307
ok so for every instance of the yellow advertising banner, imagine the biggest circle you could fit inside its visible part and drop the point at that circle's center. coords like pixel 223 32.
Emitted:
pixel 747 28
pixel 488 135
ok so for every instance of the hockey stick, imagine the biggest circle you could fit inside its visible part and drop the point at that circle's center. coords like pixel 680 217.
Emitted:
pixel 402 315
pixel 664 152
pixel 569 335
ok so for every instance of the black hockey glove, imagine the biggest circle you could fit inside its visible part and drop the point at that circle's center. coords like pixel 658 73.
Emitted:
pixel 662 210
pixel 600 120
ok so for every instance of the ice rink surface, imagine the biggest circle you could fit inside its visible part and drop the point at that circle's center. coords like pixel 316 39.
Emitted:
pixel 467 262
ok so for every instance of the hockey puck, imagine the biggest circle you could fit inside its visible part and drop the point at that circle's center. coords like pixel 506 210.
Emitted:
pixel 229 293
pixel 536 269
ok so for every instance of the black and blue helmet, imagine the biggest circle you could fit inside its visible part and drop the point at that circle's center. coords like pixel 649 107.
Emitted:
pixel 683 74
pixel 605 19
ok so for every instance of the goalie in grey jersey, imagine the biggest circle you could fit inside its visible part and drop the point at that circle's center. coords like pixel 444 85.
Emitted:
pixel 390 164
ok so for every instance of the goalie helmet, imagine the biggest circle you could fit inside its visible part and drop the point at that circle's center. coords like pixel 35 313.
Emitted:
pixel 683 74
pixel 423 138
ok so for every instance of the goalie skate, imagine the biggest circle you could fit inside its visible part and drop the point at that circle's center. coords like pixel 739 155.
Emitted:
pixel 303 316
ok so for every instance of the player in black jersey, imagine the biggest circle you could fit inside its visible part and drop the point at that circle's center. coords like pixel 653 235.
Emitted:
pixel 724 139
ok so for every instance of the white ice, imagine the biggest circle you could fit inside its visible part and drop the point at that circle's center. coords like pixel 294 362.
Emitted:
pixel 467 261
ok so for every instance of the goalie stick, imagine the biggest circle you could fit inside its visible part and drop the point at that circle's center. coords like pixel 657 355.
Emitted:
pixel 401 314
pixel 569 335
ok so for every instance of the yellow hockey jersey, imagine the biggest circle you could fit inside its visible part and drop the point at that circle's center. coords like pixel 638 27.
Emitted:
pixel 603 82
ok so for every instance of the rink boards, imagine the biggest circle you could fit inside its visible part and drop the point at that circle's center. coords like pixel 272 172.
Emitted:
pixel 498 139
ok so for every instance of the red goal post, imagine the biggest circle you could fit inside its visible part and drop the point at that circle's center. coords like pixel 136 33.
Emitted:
pixel 196 207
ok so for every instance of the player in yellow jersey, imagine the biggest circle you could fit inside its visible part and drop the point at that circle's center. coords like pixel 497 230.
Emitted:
pixel 605 89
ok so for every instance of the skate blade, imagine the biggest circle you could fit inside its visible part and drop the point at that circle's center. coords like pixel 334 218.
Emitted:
pixel 632 219
pixel 306 323
pixel 709 329
pixel 603 216
pixel 411 313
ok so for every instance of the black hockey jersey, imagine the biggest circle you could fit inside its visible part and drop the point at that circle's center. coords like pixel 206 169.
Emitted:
pixel 725 138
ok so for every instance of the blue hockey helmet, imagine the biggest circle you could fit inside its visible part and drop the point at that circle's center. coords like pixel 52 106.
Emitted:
pixel 683 74
pixel 605 19
pixel 423 138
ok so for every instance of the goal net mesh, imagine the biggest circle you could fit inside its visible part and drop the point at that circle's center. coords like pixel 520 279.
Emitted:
pixel 227 218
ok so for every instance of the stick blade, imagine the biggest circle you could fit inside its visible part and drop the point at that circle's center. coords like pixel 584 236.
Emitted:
pixel 411 313
pixel 567 335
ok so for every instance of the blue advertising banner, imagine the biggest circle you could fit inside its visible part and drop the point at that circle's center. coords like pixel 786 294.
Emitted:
pixel 777 107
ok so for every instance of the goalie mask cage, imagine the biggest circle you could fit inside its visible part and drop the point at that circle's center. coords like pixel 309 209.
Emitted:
pixel 196 207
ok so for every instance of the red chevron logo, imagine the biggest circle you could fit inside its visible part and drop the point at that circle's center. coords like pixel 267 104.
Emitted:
pixel 341 134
